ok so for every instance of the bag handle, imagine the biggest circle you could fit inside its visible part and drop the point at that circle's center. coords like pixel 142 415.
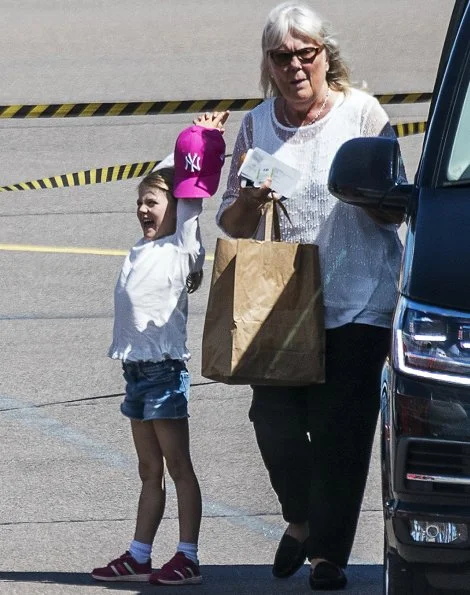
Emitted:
pixel 272 226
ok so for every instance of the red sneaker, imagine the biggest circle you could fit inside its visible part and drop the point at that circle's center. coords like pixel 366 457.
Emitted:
pixel 178 571
pixel 125 568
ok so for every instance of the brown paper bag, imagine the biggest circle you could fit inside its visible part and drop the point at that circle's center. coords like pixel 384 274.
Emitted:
pixel 264 322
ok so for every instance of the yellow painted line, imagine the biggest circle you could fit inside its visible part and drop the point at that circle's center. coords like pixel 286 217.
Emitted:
pixel 69 250
pixel 61 250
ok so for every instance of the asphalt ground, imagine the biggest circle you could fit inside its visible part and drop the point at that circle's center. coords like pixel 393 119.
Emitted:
pixel 69 484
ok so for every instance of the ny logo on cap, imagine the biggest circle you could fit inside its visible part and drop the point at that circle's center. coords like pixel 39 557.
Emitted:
pixel 193 162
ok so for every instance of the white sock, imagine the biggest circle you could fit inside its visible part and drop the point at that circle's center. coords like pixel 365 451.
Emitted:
pixel 140 551
pixel 189 550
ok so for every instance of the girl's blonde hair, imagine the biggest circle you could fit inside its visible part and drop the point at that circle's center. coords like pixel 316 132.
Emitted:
pixel 161 179
pixel 301 20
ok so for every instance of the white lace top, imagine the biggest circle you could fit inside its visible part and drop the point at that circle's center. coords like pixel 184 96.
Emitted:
pixel 359 259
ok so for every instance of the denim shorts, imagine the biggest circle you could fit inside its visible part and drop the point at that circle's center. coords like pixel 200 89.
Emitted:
pixel 156 390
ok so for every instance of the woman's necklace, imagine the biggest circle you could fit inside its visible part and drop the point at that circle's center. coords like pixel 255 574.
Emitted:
pixel 315 117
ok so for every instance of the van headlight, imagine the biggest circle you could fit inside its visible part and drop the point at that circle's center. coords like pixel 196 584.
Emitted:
pixel 438 532
pixel 432 342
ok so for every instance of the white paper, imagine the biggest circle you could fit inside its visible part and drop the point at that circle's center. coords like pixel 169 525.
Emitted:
pixel 259 165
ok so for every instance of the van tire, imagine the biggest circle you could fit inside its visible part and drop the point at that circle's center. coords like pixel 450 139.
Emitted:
pixel 402 578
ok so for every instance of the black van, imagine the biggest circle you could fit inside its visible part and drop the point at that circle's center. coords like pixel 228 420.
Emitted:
pixel 425 392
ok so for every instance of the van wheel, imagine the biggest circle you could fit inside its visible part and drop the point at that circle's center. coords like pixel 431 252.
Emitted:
pixel 396 575
pixel 401 578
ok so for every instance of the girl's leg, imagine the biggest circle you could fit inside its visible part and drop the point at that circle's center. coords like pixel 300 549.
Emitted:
pixel 173 437
pixel 183 568
pixel 135 564
pixel 151 470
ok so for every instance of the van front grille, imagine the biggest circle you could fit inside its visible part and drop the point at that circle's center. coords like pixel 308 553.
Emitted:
pixel 438 466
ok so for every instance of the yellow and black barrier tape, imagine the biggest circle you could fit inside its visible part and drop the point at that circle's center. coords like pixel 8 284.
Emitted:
pixel 127 171
pixel 404 98
pixel 148 108
pixel 408 128
pixel 100 175
pixel 135 108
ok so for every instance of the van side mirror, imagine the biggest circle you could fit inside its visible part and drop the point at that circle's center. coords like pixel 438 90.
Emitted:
pixel 367 172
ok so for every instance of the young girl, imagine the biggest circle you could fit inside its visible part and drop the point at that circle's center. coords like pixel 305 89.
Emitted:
pixel 150 338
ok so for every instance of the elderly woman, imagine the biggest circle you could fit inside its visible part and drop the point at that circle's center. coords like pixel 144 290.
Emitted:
pixel 316 440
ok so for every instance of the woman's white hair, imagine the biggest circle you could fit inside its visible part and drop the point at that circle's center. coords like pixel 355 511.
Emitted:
pixel 301 21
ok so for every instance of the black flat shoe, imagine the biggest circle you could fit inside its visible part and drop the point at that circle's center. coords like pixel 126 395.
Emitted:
pixel 290 556
pixel 327 577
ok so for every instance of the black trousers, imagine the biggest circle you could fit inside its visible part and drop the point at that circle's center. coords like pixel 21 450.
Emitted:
pixel 316 440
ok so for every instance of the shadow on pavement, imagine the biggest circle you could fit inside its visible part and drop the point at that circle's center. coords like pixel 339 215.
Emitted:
pixel 237 580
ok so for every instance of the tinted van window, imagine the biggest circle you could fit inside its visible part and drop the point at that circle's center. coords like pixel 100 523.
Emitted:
pixel 459 162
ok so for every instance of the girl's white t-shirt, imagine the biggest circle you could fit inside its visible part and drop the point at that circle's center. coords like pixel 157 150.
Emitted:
pixel 150 298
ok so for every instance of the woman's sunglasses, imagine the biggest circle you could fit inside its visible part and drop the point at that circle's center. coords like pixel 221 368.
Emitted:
pixel 305 55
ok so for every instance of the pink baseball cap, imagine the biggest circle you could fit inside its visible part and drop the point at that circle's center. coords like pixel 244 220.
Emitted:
pixel 199 157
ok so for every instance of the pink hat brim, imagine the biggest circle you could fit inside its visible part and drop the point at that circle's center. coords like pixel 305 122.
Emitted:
pixel 200 187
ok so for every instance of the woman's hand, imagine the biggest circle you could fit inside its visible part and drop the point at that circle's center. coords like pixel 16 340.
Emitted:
pixel 241 218
pixel 252 196
pixel 212 120
pixel 256 197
